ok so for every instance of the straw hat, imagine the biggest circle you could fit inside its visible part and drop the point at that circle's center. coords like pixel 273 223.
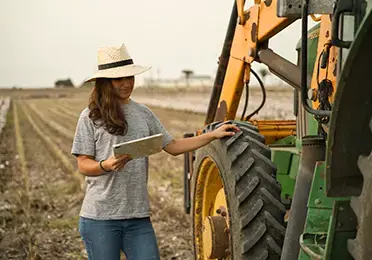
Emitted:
pixel 115 62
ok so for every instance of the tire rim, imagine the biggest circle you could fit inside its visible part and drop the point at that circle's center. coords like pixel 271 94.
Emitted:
pixel 211 225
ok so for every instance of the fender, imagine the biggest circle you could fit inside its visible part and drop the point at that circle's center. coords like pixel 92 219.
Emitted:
pixel 350 129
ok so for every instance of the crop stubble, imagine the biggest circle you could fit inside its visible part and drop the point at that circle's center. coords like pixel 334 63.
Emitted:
pixel 53 197
pixel 50 230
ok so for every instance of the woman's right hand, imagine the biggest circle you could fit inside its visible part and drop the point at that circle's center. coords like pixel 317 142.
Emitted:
pixel 116 163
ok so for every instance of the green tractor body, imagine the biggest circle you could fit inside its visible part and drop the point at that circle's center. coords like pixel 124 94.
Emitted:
pixel 325 176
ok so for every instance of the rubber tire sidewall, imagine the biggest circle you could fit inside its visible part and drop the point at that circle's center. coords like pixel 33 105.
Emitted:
pixel 217 151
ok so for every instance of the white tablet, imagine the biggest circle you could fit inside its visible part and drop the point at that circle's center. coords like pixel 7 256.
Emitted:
pixel 140 147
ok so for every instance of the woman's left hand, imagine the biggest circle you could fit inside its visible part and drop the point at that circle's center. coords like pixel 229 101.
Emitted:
pixel 225 130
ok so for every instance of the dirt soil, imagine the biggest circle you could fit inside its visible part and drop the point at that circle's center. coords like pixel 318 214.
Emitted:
pixel 39 206
pixel 278 104
pixel 40 199
pixel 44 201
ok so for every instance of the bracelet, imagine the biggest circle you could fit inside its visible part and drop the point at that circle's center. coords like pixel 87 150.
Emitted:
pixel 100 165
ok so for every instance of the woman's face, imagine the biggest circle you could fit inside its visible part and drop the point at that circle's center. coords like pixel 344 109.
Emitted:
pixel 123 86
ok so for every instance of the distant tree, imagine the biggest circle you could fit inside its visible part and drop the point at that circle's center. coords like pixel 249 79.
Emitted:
pixel 263 73
pixel 187 73
pixel 64 83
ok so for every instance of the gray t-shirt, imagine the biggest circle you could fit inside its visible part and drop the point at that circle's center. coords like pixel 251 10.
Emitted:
pixel 122 194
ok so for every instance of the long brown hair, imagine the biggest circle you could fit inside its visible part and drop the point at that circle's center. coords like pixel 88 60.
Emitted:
pixel 105 109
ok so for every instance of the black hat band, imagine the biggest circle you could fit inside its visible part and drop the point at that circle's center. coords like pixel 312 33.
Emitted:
pixel 115 64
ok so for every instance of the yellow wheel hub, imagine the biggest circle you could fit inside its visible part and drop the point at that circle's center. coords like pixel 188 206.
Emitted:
pixel 211 215
pixel 215 237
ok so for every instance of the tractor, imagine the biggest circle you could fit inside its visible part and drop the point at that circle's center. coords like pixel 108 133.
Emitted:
pixel 288 189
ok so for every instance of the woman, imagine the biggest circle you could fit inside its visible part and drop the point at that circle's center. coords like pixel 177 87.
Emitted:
pixel 115 213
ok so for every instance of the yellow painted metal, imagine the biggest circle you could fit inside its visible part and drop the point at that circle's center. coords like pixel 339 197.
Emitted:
pixel 324 40
pixel 274 130
pixel 209 197
pixel 245 38
pixel 240 5
pixel 269 24
pixel 232 90
pixel 262 24
pixel 220 203
pixel 243 50
pixel 315 19
pixel 207 238
pixel 215 238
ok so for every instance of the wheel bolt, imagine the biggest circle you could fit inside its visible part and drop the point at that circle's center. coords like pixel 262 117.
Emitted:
pixel 218 211
pixel 227 230
pixel 223 214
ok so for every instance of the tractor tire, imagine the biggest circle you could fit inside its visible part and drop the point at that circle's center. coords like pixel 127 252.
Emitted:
pixel 360 248
pixel 256 214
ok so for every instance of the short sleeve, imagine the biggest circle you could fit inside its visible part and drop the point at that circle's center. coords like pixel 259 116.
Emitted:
pixel 156 127
pixel 83 142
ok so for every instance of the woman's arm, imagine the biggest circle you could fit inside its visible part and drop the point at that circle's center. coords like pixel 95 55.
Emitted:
pixel 89 167
pixel 183 145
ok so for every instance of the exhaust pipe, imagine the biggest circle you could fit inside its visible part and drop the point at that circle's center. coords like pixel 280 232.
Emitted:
pixel 313 150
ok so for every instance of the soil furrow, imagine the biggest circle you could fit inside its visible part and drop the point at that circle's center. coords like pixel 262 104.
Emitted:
pixel 52 112
pixel 54 199
pixel 24 198
pixel 14 219
pixel 58 140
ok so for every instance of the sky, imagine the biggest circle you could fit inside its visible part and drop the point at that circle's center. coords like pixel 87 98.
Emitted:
pixel 46 40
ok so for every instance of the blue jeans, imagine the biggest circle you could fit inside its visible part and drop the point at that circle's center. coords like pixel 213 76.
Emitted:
pixel 104 239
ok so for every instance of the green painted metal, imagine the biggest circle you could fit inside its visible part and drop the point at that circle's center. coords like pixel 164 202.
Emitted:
pixel 342 227
pixel 286 158
pixel 325 234
pixel 329 223
pixel 318 197
pixel 296 158
pixel 312 125
pixel 288 162
pixel 312 47
pixel 282 160
pixel 287 184
pixel 288 141
pixel 318 217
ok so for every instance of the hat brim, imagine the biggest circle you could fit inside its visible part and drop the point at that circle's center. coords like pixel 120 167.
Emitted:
pixel 120 72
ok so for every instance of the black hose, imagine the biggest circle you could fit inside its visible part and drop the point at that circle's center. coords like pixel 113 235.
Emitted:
pixel 304 65
pixel 263 96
